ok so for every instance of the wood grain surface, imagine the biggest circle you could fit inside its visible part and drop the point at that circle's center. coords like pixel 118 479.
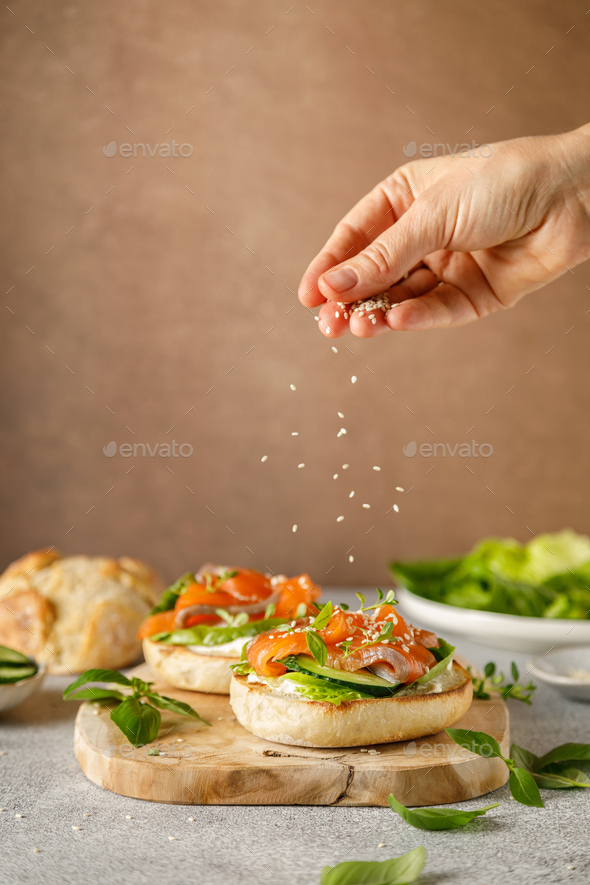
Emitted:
pixel 226 765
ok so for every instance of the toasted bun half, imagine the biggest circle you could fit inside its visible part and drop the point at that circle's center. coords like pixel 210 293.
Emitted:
pixel 182 668
pixel 288 719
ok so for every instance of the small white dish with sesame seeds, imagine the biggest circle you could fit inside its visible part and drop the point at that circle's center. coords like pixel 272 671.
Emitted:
pixel 567 670
pixel 507 632
pixel 14 693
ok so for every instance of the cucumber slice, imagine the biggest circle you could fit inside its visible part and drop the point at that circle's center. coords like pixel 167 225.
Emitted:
pixel 16 673
pixel 12 656
pixel 361 680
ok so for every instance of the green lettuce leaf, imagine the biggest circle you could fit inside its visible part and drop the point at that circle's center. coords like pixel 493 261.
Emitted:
pixel 219 634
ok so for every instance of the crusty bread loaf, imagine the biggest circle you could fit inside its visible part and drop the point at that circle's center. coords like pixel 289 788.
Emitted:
pixel 183 668
pixel 289 719
pixel 76 612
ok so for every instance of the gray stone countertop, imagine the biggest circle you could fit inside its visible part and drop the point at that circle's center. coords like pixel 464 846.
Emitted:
pixel 122 841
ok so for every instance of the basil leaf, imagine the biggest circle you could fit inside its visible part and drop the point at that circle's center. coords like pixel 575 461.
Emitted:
pixel 323 617
pixel 169 597
pixel 138 722
pixel 443 662
pixel 524 758
pixel 397 871
pixel 568 779
pixel 436 818
pixel 96 676
pixel 174 706
pixel 524 789
pixel 95 694
pixel 476 742
pixel 317 646
pixel 565 753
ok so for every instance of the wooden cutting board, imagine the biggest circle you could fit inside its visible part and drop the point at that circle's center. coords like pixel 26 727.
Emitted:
pixel 226 765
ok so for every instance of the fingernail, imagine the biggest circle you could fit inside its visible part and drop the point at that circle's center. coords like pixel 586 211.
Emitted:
pixel 342 278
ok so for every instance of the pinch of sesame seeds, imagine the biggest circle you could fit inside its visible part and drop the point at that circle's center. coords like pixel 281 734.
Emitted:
pixel 300 466
pixel 335 349
pixel 339 519
pixel 377 468
pixel 396 508
pixel 354 379
pixel 264 458
pixel 367 506
pixel 292 386
pixel 377 302
pixel 295 528
pixel 351 558
pixel 399 489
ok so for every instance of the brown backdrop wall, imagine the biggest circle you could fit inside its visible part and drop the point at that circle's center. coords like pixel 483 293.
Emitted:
pixel 150 299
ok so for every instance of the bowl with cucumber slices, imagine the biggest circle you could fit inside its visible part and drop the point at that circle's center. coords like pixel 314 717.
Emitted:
pixel 20 678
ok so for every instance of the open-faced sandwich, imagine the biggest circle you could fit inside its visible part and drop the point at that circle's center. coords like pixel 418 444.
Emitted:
pixel 344 679
pixel 198 630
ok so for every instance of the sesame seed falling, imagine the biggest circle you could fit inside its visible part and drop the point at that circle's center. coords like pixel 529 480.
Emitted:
pixel 367 506
pixel 399 489
pixel 354 379
pixel 340 415
pixel 335 476
pixel 301 465
pixel 264 458
pixel 292 386
pixel 339 519
pixel 351 558
pixel 294 433
pixel 294 528
pixel 335 349
pixel 345 466
pixel 396 508
pixel 351 495
pixel 377 469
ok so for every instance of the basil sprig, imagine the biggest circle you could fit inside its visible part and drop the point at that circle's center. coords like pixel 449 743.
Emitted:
pixel 135 714
pixel 554 770
pixel 397 871
pixel 492 681
pixel 521 782
pixel 436 818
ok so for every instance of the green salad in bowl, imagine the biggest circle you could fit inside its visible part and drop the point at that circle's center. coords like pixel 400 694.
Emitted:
pixel 547 578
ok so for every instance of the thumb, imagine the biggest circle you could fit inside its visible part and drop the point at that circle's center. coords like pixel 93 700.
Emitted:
pixel 420 231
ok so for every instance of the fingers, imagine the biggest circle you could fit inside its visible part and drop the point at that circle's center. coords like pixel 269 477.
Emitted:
pixel 420 231
pixel 369 218
pixel 444 306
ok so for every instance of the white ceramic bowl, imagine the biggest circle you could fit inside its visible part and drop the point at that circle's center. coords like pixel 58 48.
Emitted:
pixel 507 632
pixel 14 693
pixel 557 668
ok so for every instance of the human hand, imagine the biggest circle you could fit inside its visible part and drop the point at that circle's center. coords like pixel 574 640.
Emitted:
pixel 452 239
